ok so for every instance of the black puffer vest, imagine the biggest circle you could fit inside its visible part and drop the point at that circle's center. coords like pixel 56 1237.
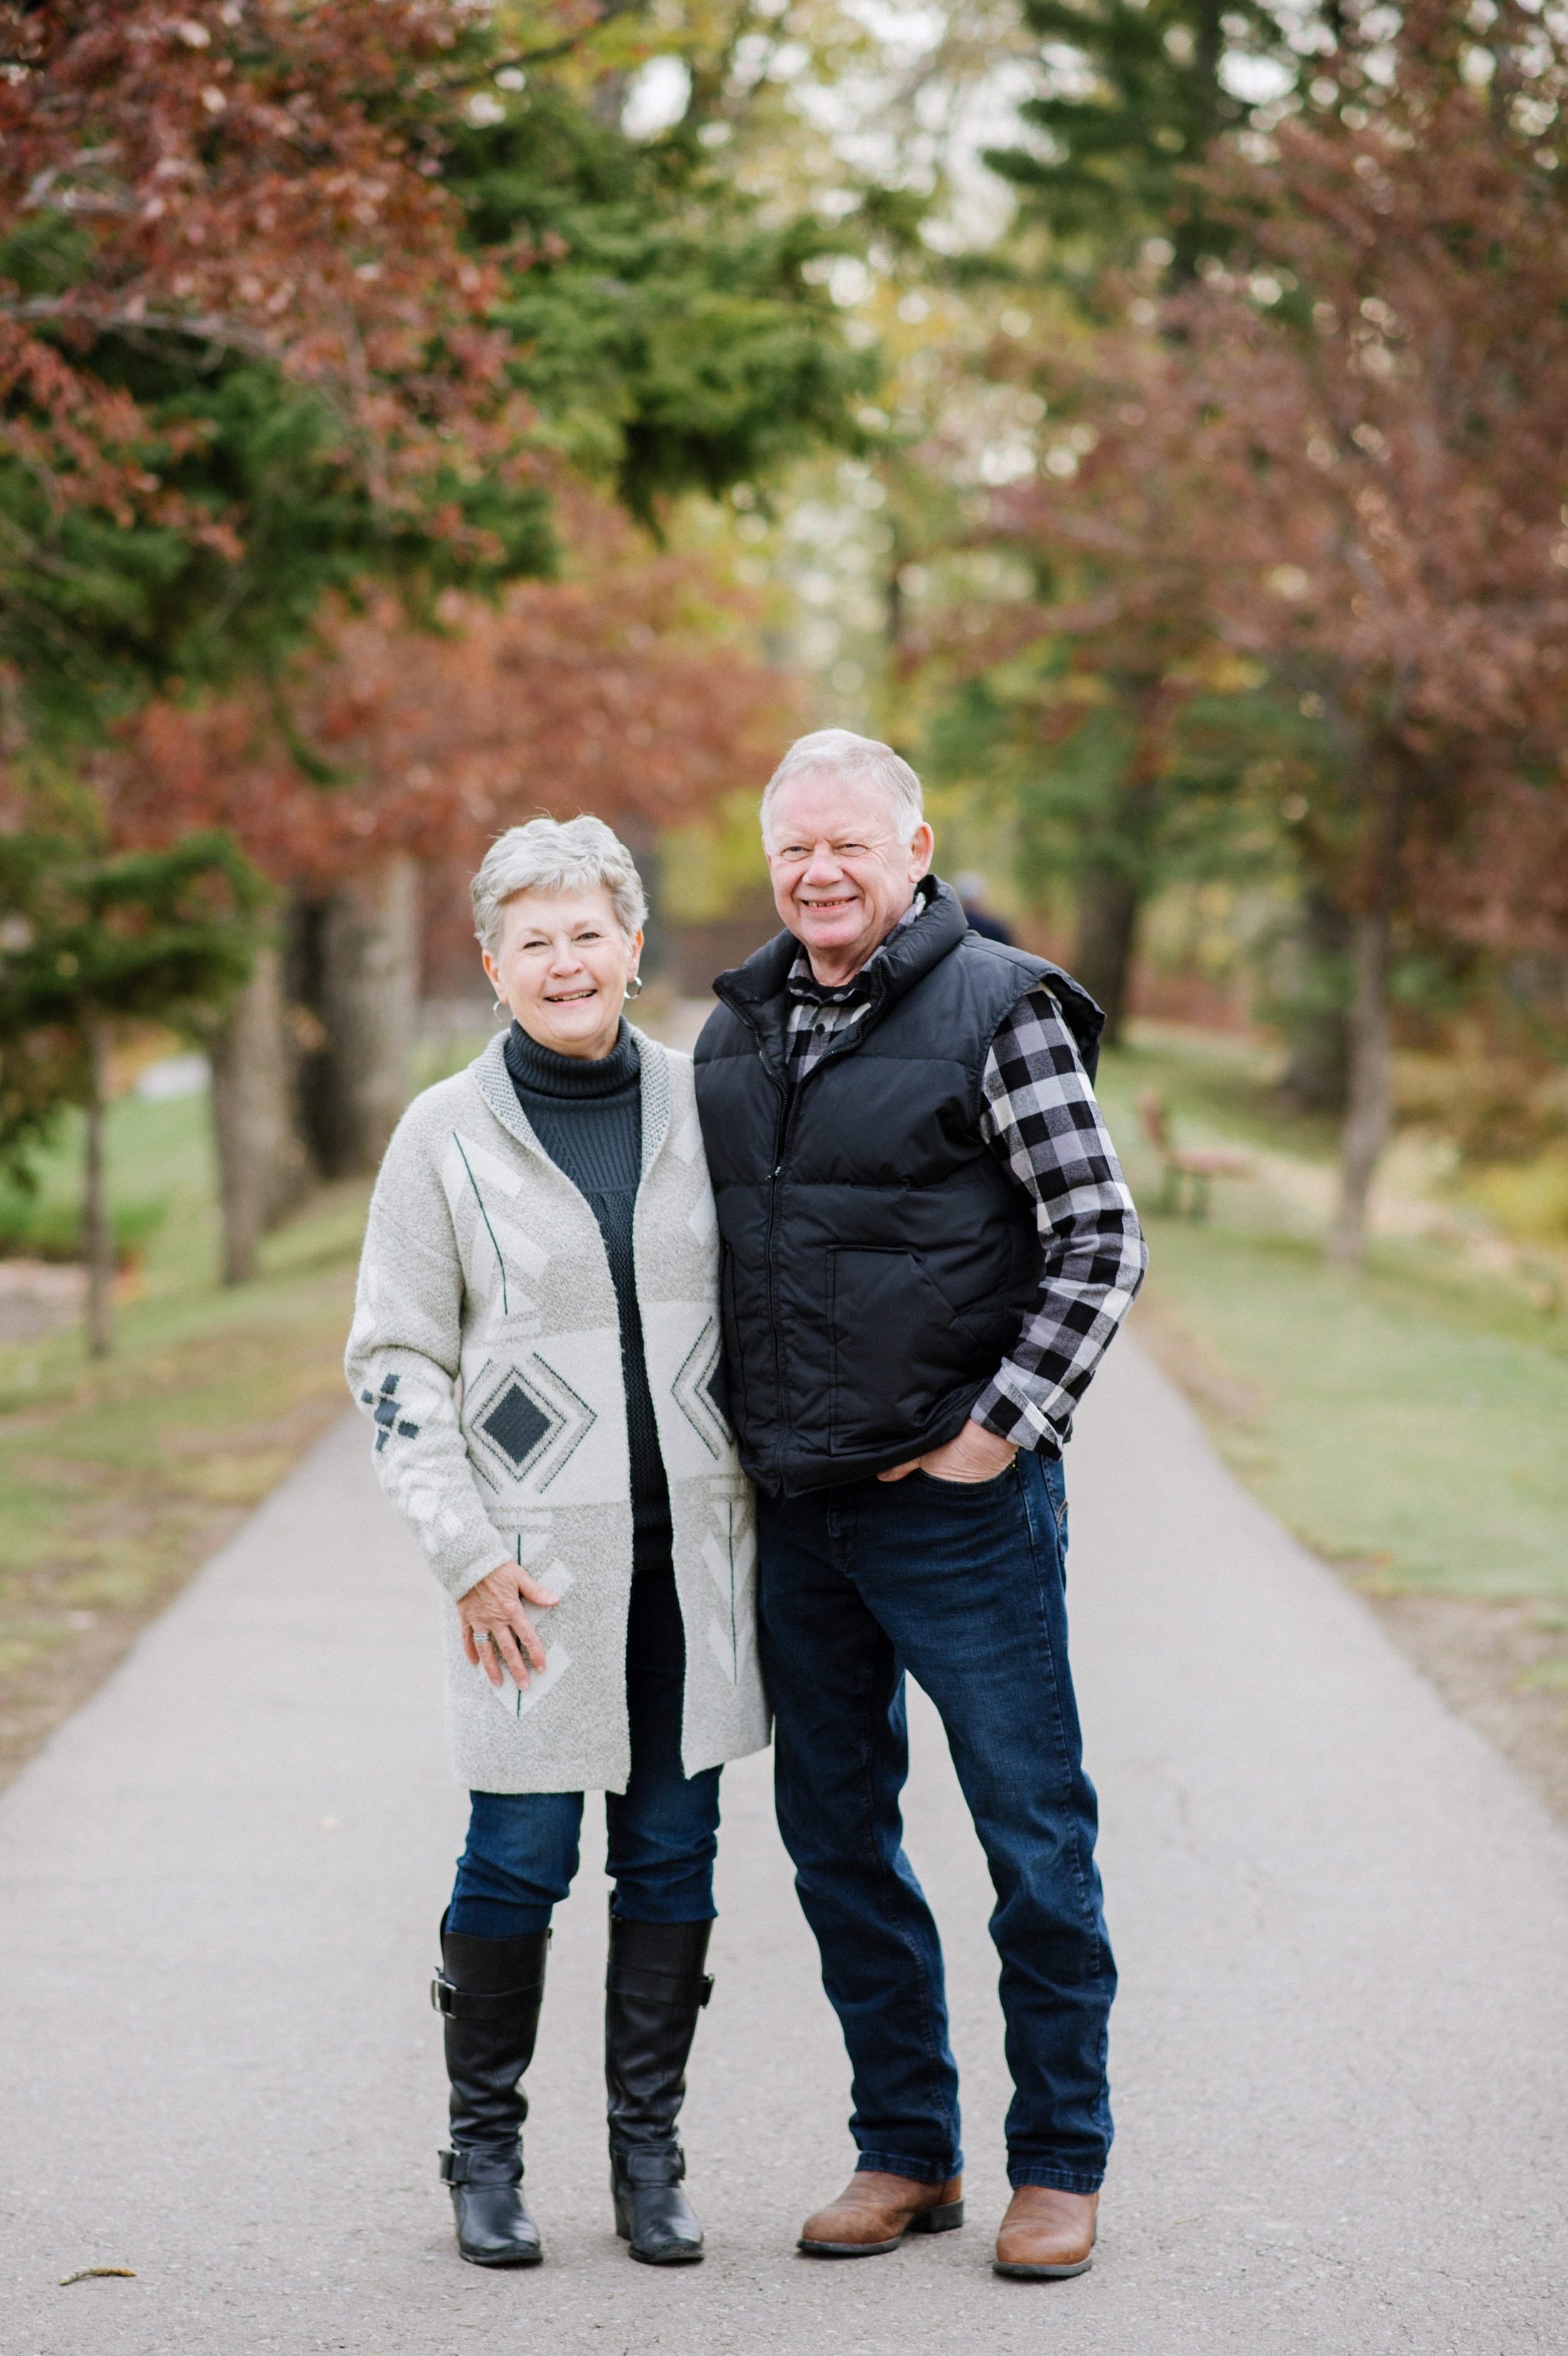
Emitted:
pixel 877 1260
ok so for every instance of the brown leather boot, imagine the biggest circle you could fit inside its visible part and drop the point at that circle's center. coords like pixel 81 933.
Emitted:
pixel 874 2212
pixel 1047 2234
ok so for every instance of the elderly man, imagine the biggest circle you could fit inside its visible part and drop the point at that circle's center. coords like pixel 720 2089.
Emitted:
pixel 927 1246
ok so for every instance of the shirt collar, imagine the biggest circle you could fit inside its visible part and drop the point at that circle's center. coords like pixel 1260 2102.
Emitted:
pixel 801 983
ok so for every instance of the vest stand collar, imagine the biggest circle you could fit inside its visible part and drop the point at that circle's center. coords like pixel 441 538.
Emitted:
pixel 755 991
pixel 908 957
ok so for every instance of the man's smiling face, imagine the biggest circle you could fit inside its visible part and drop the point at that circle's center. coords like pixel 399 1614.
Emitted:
pixel 842 878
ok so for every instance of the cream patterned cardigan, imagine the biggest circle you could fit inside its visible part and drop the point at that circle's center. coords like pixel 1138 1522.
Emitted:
pixel 485 1351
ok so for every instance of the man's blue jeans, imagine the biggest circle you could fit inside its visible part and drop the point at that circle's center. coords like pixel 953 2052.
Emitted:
pixel 963 1586
pixel 522 1848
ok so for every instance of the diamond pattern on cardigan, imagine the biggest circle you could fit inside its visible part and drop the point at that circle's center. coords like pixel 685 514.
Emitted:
pixel 517 1423
pixel 698 1391
pixel 533 1421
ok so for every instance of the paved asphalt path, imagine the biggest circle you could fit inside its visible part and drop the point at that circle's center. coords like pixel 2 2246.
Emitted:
pixel 1340 2054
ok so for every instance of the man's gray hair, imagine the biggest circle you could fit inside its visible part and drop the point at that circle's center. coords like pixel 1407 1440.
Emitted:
pixel 842 754
pixel 550 855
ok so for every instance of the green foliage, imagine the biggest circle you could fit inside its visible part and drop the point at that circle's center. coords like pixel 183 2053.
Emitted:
pixel 1134 97
pixel 51 1229
pixel 668 337
pixel 1131 759
pixel 1059 748
pixel 86 938
pixel 98 613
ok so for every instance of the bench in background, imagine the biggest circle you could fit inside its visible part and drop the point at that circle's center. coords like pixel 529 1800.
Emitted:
pixel 1192 1167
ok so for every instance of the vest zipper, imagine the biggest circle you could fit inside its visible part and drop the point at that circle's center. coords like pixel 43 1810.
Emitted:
pixel 846 1039
pixel 791 1095
pixel 780 1136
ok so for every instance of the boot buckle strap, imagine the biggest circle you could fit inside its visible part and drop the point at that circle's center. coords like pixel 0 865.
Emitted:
pixel 664 1988
pixel 650 2164
pixel 481 2167
pixel 466 2004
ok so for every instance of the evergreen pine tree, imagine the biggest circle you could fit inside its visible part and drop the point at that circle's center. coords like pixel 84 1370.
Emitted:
pixel 1137 95
pixel 90 938
pixel 663 329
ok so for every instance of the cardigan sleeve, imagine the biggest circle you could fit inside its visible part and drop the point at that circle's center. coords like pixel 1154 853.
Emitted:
pixel 402 1364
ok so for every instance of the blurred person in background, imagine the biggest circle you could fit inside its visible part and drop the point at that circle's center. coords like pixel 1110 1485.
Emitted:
pixel 928 1246
pixel 536 1342
pixel 974 893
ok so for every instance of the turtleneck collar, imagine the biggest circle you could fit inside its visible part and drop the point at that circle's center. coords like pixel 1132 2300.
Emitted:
pixel 543 1072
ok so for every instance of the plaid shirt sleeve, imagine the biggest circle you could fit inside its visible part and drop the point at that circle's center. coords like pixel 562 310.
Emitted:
pixel 1045 1128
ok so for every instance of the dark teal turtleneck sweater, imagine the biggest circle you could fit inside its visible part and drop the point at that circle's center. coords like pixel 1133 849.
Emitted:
pixel 589 1119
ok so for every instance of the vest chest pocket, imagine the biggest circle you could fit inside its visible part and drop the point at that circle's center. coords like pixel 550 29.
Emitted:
pixel 896 1346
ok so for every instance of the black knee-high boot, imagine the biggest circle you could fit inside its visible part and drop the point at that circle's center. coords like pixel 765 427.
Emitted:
pixel 654 1990
pixel 488 1993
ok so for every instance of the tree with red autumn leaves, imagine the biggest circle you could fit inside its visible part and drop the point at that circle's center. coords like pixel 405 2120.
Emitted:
pixel 1342 453
pixel 244 354
pixel 294 296
pixel 623 687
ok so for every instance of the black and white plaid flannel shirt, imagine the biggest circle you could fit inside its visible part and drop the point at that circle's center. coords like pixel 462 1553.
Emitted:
pixel 1044 1125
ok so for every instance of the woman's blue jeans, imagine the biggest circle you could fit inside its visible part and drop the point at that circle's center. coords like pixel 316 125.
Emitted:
pixel 522 1848
pixel 963 1586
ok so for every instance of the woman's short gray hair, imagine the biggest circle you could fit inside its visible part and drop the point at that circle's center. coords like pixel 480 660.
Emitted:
pixel 843 754
pixel 554 855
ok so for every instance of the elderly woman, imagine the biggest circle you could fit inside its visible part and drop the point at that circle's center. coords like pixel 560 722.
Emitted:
pixel 536 1341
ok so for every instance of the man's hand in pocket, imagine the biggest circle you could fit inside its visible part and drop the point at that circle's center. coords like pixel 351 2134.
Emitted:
pixel 975 1455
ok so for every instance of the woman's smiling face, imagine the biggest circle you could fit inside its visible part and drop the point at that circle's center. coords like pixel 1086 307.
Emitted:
pixel 562 966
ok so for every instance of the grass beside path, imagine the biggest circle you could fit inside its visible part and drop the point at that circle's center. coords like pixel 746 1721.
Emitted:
pixel 1405 1432
pixel 1408 1422
pixel 118 1478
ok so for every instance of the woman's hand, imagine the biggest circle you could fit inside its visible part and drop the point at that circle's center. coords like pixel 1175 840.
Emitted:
pixel 975 1455
pixel 495 1628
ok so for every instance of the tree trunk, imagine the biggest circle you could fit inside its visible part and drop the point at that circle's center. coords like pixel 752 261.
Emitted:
pixel 360 978
pixel 1370 1112
pixel 262 1162
pixel 1314 1015
pixel 1108 900
pixel 97 1236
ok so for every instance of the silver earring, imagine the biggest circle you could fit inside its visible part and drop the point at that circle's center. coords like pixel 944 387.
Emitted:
pixel 500 1007
pixel 634 987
